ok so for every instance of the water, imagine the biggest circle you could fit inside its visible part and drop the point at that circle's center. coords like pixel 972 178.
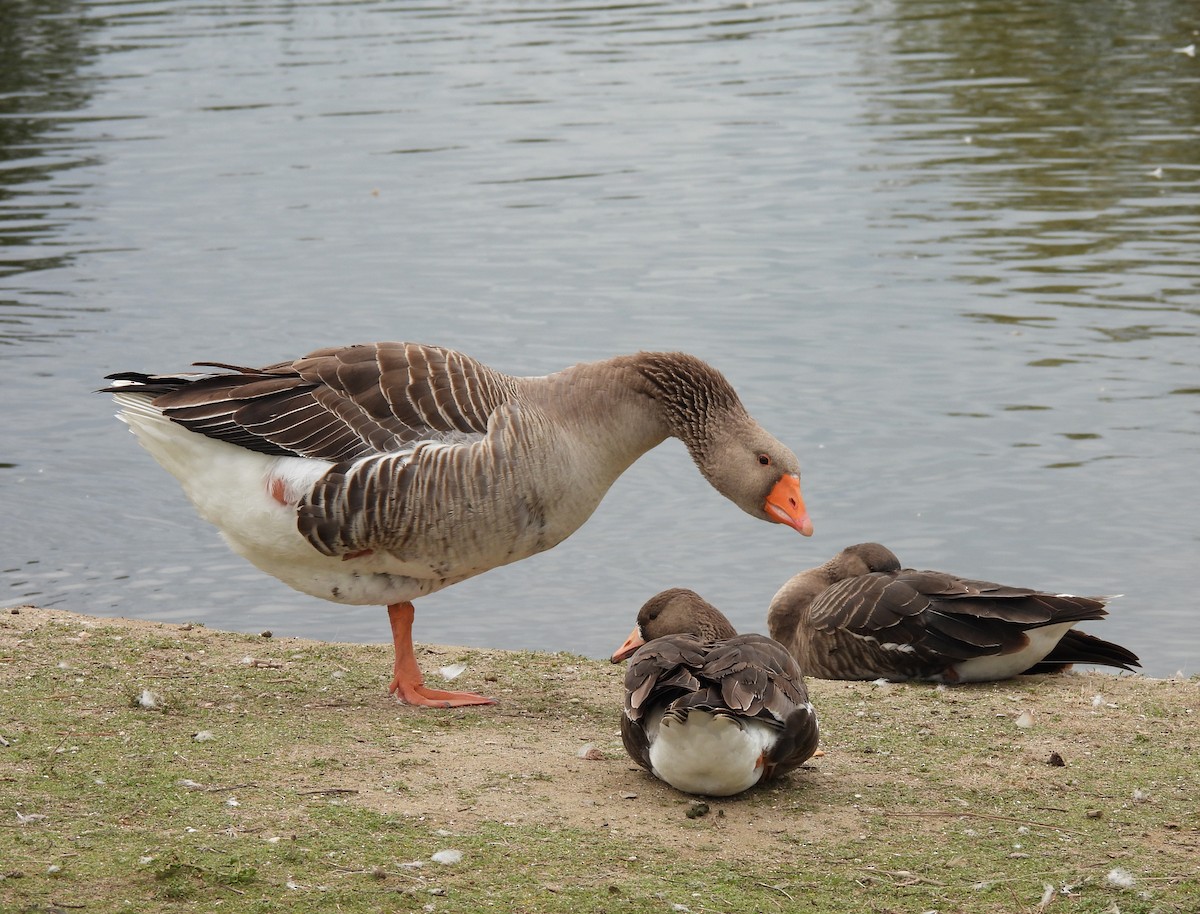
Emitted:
pixel 948 251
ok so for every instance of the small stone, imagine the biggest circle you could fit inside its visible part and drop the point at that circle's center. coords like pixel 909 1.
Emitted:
pixel 1095 814
pixel 697 809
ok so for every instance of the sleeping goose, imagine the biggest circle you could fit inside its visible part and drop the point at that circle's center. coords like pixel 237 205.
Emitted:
pixel 707 710
pixel 861 616
pixel 378 473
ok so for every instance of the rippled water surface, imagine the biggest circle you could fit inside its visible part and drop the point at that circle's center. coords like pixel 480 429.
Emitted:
pixel 949 251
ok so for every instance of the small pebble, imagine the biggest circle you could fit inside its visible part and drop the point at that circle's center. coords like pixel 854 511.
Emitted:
pixel 697 809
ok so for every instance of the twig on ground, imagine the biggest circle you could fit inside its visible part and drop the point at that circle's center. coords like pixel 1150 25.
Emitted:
pixel 328 791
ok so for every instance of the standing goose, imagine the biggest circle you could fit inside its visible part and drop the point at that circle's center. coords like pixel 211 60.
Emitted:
pixel 860 616
pixel 379 473
pixel 707 710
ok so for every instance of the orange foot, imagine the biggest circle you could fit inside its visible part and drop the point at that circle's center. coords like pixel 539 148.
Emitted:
pixel 407 683
pixel 417 693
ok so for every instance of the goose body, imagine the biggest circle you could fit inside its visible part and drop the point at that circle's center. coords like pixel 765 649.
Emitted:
pixel 709 711
pixel 378 473
pixel 861 616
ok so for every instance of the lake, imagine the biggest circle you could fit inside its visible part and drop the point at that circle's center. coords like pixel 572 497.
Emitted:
pixel 947 251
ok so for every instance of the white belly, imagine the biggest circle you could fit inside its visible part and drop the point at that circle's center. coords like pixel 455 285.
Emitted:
pixel 709 754
pixel 231 488
pixel 1042 641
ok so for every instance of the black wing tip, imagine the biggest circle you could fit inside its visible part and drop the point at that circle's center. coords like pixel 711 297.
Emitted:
pixel 1080 647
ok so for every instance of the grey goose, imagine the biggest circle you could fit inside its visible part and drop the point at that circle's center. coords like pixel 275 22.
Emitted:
pixel 707 710
pixel 378 473
pixel 861 616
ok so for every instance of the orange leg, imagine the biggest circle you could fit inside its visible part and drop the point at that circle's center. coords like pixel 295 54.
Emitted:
pixel 407 682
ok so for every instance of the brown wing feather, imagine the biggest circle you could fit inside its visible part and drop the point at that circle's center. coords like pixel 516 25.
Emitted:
pixel 941 611
pixel 796 744
pixel 662 671
pixel 337 404
pixel 636 741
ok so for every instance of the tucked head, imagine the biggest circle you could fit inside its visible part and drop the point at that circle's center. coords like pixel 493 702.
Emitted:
pixel 788 612
pixel 862 558
pixel 677 611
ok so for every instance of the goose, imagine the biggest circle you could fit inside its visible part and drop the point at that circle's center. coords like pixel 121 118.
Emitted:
pixel 381 472
pixel 707 710
pixel 861 616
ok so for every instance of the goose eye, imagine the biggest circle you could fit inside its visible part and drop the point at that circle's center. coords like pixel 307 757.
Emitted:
pixel 764 459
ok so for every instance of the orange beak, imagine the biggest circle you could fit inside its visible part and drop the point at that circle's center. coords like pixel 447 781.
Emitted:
pixel 632 643
pixel 784 505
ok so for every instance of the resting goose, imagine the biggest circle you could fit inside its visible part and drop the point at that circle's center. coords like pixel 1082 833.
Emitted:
pixel 707 710
pixel 379 473
pixel 861 616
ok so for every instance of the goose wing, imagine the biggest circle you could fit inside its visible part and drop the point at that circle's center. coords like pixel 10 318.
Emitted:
pixel 930 615
pixel 335 404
